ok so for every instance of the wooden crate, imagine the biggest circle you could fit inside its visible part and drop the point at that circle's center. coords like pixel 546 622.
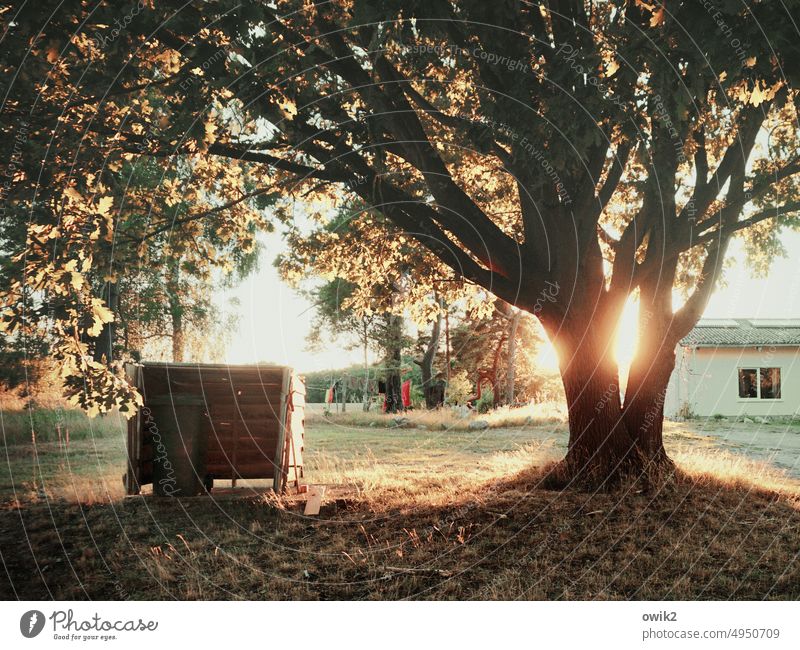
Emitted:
pixel 253 418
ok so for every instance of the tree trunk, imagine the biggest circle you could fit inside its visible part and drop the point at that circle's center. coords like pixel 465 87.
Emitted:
pixel 446 354
pixel 492 373
pixel 599 445
pixel 178 338
pixel 344 395
pixel 426 364
pixel 172 287
pixel 609 441
pixel 512 356
pixel 365 406
pixel 104 343
pixel 394 398
pixel 643 411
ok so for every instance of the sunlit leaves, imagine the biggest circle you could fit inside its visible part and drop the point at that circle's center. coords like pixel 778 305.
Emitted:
pixel 317 102
pixel 100 316
pixel 386 270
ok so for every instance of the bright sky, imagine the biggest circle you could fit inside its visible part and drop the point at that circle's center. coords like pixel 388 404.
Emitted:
pixel 274 321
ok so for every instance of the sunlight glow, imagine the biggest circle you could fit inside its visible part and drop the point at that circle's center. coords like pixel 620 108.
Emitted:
pixel 546 358
pixel 624 346
pixel 627 340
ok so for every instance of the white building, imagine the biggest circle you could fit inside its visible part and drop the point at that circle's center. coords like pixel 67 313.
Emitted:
pixel 737 367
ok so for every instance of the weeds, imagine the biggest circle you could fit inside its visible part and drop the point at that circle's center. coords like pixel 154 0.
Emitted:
pixel 17 426
pixel 444 419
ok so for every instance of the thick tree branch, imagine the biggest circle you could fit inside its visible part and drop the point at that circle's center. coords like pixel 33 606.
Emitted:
pixel 606 191
pixel 705 193
pixel 688 315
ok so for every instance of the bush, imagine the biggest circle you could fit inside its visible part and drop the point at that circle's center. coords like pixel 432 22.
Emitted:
pixel 486 402
pixel 459 388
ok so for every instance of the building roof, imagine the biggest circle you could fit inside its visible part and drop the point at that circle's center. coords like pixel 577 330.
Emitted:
pixel 736 332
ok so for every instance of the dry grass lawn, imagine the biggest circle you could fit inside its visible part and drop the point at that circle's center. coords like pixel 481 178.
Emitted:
pixel 409 514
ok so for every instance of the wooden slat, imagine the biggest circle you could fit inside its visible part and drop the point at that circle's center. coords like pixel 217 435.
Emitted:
pixel 218 371
pixel 226 399
pixel 297 423
pixel 256 470
pixel 251 414
pixel 280 448
pixel 217 379
pixel 263 430
pixel 223 425
pixel 133 474
pixel 249 455
pixel 265 394
pixel 250 445
pixel 246 448
pixel 314 499
pixel 220 424
pixel 252 456
pixel 234 451
pixel 251 469
pixel 225 435
pixel 212 400
pixel 229 389
pixel 244 443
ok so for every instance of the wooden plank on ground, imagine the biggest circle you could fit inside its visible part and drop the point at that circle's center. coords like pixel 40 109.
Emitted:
pixel 314 499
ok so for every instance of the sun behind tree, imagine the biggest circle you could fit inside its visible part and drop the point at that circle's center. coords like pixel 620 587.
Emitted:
pixel 561 157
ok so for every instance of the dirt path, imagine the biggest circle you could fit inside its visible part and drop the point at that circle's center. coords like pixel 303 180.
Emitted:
pixel 775 443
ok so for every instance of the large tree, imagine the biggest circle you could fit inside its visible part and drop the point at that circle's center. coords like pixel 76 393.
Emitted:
pixel 91 222
pixel 563 155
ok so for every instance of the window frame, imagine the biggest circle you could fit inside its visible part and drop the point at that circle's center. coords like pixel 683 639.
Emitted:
pixel 758 398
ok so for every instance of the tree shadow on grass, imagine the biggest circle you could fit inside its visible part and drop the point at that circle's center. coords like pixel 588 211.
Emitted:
pixel 690 537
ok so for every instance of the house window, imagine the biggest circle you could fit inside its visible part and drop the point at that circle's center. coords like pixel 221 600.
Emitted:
pixel 759 383
pixel 770 383
pixel 748 388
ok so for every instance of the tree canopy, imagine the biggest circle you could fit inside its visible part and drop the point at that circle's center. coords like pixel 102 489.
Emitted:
pixel 560 155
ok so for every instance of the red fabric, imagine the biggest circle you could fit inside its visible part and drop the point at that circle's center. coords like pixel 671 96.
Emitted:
pixel 405 393
pixel 329 396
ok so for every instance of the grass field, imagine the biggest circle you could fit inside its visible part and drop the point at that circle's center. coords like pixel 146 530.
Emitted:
pixel 438 513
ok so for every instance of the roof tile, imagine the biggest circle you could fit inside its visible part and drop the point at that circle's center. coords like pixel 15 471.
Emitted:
pixel 744 332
